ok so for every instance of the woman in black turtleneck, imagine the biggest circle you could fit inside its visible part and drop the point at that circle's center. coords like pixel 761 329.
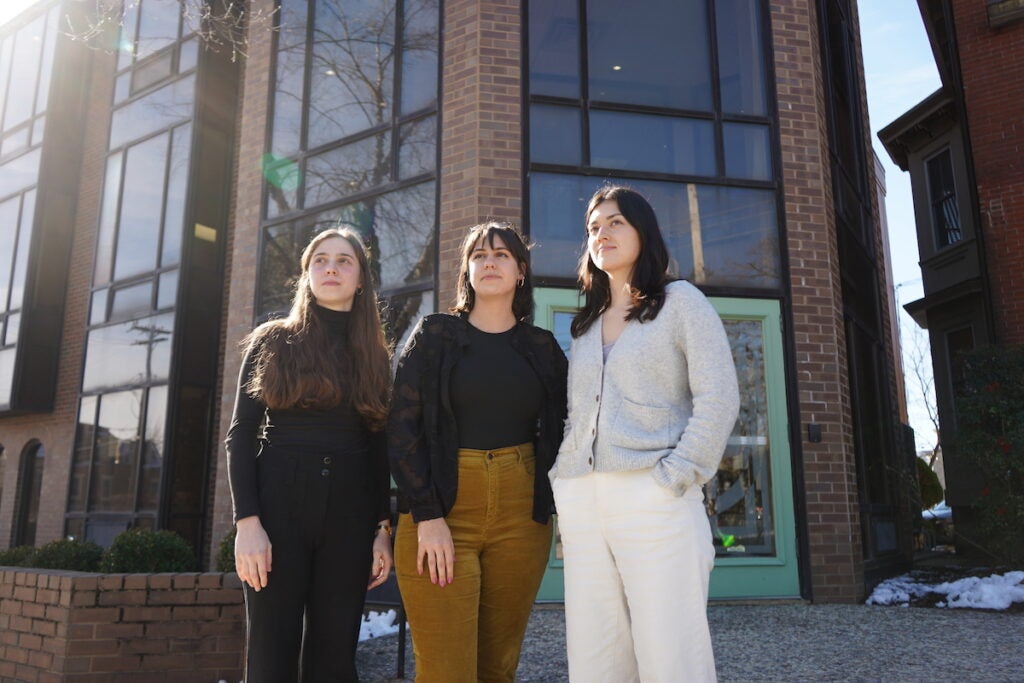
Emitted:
pixel 479 403
pixel 311 494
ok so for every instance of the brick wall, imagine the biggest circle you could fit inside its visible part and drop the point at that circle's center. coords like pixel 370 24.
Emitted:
pixel 120 628
pixel 829 467
pixel 991 66
pixel 481 154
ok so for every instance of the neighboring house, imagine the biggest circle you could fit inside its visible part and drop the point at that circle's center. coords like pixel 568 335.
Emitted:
pixel 176 189
pixel 963 149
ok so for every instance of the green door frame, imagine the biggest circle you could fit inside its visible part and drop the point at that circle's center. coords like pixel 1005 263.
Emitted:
pixel 733 577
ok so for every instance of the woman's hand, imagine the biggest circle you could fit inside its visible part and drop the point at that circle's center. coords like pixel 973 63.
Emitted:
pixel 436 547
pixel 380 565
pixel 252 553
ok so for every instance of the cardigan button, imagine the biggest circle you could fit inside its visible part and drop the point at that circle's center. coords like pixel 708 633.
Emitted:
pixel 325 472
pixel 590 460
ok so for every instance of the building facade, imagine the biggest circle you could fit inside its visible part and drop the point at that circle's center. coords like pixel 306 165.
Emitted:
pixel 200 180
pixel 961 146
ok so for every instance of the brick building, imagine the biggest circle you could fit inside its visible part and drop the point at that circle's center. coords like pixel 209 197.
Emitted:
pixel 962 147
pixel 193 181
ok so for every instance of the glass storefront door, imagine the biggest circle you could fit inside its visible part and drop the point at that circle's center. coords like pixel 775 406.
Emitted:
pixel 750 500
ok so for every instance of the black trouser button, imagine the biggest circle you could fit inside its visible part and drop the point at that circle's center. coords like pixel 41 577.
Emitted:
pixel 325 472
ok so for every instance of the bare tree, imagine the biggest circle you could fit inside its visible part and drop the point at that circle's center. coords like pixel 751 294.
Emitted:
pixel 920 380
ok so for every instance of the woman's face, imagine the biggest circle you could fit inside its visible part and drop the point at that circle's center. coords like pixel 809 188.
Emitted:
pixel 334 274
pixel 612 241
pixel 493 271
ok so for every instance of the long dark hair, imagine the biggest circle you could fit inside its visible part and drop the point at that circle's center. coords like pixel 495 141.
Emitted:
pixel 297 366
pixel 522 301
pixel 650 273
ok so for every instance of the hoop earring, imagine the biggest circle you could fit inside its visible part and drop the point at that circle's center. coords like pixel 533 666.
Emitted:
pixel 359 290
pixel 521 282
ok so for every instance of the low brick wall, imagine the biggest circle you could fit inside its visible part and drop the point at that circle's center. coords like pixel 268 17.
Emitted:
pixel 120 628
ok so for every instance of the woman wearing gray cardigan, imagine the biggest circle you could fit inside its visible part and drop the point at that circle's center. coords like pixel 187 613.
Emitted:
pixel 653 398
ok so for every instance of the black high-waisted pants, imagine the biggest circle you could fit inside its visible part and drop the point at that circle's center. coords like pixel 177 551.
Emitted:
pixel 318 510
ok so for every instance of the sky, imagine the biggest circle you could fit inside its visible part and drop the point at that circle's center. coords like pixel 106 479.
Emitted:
pixel 899 72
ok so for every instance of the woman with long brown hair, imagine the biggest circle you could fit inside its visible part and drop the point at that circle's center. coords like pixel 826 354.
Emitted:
pixel 479 402
pixel 311 493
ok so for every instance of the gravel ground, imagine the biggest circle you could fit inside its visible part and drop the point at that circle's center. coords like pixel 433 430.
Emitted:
pixel 798 642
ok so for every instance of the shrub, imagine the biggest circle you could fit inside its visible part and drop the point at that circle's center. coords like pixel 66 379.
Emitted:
pixel 990 439
pixel 226 556
pixel 73 555
pixel 19 556
pixel 928 481
pixel 140 551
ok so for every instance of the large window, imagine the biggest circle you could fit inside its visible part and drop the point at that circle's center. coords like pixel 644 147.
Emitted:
pixel 26 63
pixel 353 143
pixel 945 212
pixel 118 458
pixel 669 97
pixel 30 487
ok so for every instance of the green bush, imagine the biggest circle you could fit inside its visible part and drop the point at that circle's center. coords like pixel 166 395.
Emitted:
pixel 143 551
pixel 19 556
pixel 72 555
pixel 928 482
pixel 990 439
pixel 226 556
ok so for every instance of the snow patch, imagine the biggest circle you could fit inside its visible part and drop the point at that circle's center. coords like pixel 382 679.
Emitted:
pixel 996 592
pixel 376 624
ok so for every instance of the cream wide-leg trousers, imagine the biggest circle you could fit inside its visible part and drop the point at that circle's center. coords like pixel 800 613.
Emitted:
pixel 637 565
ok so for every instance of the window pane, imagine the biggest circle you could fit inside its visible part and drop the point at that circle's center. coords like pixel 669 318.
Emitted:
pixel 38 126
pixel 291 63
pixel 643 142
pixel 555 135
pixel 123 87
pixel 347 170
pixel 942 194
pixel 188 55
pixel 132 301
pixel 84 435
pixel 52 28
pixel 108 220
pixel 158 25
pixel 28 210
pixel 557 203
pixel 419 55
pixel 8 236
pixel 279 267
pixel 161 108
pixel 138 231
pixel 15 141
pixel 129 28
pixel 168 292
pixel 112 488
pixel 153 449
pixel 417 151
pixel 401 314
pixel 739 237
pixel 32 464
pixel 6 375
pixel 19 173
pixel 741 70
pixel 404 232
pixel 283 177
pixel 135 352
pixel 98 309
pixel 739 497
pixel 653 53
pixel 747 151
pixel 177 186
pixel 13 327
pixel 21 94
pixel 554 48
pixel 6 50
pixel 153 71
pixel 352 68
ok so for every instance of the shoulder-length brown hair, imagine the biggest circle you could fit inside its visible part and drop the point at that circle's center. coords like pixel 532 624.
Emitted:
pixel 522 301
pixel 650 274
pixel 297 366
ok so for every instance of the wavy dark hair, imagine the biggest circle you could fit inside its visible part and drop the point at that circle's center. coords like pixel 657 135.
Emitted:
pixel 522 301
pixel 297 366
pixel 650 273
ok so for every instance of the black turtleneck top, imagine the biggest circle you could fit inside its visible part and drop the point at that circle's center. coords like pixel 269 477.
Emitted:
pixel 337 431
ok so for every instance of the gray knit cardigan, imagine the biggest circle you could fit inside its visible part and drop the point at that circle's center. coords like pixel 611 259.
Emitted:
pixel 666 398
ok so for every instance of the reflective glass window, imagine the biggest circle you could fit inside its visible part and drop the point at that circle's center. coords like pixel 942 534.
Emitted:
pixel 85 436
pixel 159 109
pixel 24 74
pixel 15 141
pixel 741 70
pixel 290 78
pixel 654 53
pixel 135 352
pixel 28 210
pixel 153 71
pixel 9 213
pixel 13 327
pixel 419 54
pixel 555 135
pixel 46 69
pixel 642 142
pixel 417 147
pixel 138 231
pixel 32 465
pixel 554 48
pixel 112 482
pixel 20 172
pixel 153 449
pixel 347 170
pixel 108 220
pixel 188 55
pixel 747 151
pixel 130 302
pixel 177 189
pixel 168 290
pixel 98 307
pixel 6 374
pixel 158 25
pixel 352 68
